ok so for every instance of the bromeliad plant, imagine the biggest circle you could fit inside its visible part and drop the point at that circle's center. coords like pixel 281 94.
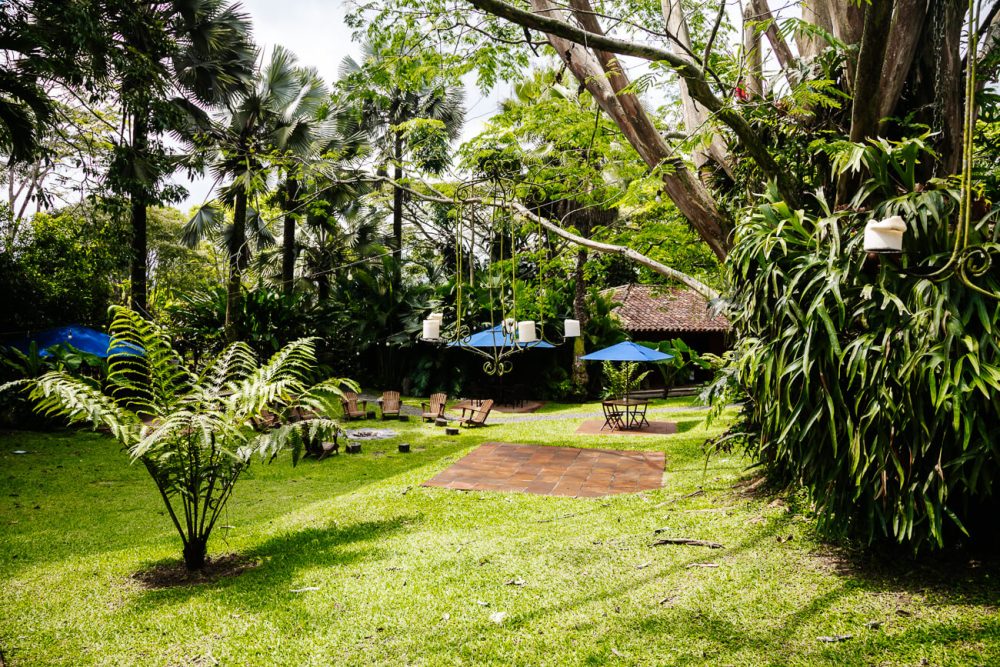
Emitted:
pixel 196 433
pixel 876 389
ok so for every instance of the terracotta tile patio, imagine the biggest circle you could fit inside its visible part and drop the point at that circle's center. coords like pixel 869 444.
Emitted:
pixel 553 471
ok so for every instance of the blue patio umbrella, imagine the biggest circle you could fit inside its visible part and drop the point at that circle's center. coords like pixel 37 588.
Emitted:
pixel 627 351
pixel 81 338
pixel 495 337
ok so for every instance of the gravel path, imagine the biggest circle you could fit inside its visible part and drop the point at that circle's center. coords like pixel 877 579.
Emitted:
pixel 502 418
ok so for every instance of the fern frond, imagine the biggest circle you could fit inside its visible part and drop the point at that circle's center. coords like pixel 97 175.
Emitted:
pixel 58 393
pixel 324 397
pixel 153 379
pixel 294 361
pixel 237 362
pixel 293 437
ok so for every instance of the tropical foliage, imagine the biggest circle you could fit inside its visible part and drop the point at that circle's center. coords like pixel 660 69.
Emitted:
pixel 875 388
pixel 196 432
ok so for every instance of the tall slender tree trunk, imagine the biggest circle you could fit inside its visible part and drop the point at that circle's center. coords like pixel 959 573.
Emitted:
pixel 139 219
pixel 580 378
pixel 397 211
pixel 288 237
pixel 238 260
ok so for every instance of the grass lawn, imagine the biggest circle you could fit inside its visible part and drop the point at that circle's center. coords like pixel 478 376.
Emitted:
pixel 400 574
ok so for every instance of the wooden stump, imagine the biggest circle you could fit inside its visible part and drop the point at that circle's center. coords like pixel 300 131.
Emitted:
pixel 451 430
pixel 354 448
pixel 404 448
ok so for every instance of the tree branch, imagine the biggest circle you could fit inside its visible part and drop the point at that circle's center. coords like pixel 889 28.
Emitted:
pixel 662 269
pixel 520 209
pixel 692 75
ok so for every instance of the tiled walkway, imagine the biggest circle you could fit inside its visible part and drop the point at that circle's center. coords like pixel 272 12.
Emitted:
pixel 553 471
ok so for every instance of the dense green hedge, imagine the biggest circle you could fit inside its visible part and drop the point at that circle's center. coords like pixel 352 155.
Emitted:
pixel 877 391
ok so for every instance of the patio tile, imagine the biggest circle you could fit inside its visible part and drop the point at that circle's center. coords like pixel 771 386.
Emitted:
pixel 561 471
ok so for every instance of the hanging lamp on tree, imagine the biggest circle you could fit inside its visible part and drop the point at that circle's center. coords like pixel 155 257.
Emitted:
pixel 506 335
pixel 966 261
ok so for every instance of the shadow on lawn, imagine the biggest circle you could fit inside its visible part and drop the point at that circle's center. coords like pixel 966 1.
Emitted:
pixel 140 515
pixel 278 560
pixel 952 580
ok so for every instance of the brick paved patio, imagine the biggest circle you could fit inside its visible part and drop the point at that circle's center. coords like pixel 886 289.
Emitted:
pixel 553 471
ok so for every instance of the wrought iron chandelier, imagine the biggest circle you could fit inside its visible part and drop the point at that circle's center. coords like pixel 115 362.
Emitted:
pixel 502 340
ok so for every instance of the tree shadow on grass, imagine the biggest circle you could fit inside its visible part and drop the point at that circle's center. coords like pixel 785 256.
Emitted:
pixel 279 559
pixel 685 425
pixel 141 516
pixel 942 581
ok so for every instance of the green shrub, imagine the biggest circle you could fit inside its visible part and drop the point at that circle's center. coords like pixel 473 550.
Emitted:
pixel 876 390
pixel 621 378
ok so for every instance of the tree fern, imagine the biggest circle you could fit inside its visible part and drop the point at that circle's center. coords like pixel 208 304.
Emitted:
pixel 197 433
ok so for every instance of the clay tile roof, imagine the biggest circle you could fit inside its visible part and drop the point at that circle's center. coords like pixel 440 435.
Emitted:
pixel 661 308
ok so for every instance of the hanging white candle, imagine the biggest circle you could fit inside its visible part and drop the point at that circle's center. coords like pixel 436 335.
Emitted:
pixel 526 331
pixel 885 235
pixel 432 328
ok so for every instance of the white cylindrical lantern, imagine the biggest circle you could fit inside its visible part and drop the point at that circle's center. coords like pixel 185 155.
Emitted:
pixel 432 328
pixel 526 332
pixel 885 235
pixel 571 329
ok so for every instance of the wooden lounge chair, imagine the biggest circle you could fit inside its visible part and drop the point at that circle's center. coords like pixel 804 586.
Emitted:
pixel 350 405
pixel 476 415
pixel 434 410
pixel 390 404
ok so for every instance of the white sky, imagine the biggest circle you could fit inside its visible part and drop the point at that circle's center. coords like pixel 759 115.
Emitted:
pixel 314 31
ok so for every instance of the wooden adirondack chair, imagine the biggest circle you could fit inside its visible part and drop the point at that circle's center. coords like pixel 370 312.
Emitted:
pixel 350 405
pixel 434 410
pixel 473 416
pixel 390 404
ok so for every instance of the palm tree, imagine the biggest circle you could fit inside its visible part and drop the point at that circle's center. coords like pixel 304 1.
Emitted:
pixel 340 233
pixel 385 108
pixel 253 136
pixel 196 433
pixel 324 148
pixel 172 59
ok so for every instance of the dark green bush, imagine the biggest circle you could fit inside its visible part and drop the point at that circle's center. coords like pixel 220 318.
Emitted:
pixel 877 391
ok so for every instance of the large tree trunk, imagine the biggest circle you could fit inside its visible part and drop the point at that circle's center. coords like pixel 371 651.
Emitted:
pixel 397 211
pixel 139 218
pixel 904 35
pixel 606 81
pixel 696 116
pixel 762 14
pixel 288 236
pixel 871 61
pixel 753 63
pixel 950 95
pixel 817 13
pixel 238 260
